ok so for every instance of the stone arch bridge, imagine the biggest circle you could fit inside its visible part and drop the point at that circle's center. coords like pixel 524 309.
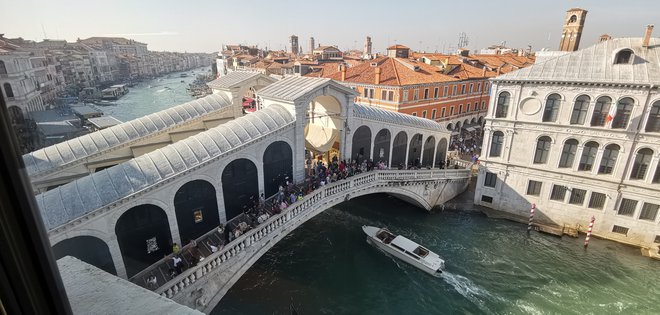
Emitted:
pixel 125 217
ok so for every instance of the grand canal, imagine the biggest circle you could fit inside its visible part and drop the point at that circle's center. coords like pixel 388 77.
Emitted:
pixel 493 267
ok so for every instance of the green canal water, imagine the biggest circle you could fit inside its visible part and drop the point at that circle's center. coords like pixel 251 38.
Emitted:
pixel 153 95
pixel 493 267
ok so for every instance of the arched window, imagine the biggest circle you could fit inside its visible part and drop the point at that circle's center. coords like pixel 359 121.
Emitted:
pixel 502 107
pixel 8 91
pixel 568 153
pixel 642 162
pixel 573 19
pixel 601 110
pixel 551 111
pixel 542 150
pixel 623 110
pixel 653 122
pixel 496 143
pixel 3 69
pixel 588 156
pixel 624 56
pixel 580 110
pixel 608 161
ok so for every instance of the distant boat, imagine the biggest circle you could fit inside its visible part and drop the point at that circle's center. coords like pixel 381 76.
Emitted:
pixel 405 249
pixel 183 75
pixel 103 103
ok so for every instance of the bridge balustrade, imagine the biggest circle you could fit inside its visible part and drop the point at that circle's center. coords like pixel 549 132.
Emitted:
pixel 286 218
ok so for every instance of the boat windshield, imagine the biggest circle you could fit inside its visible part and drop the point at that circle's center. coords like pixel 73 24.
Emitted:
pixel 385 236
pixel 421 251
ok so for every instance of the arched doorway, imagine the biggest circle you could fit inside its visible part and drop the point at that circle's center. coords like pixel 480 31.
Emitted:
pixel 196 208
pixel 143 234
pixel 382 147
pixel 278 165
pixel 441 152
pixel 89 249
pixel 323 127
pixel 361 144
pixel 240 186
pixel 415 150
pixel 429 150
pixel 399 149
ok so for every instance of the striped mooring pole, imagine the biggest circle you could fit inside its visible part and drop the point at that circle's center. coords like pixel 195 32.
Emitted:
pixel 531 217
pixel 591 226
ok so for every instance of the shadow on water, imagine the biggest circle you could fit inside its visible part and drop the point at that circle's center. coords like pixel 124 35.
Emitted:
pixel 493 267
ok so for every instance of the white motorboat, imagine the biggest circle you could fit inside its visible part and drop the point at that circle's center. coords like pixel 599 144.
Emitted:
pixel 405 249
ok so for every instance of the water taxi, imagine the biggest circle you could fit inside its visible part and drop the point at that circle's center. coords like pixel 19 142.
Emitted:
pixel 405 249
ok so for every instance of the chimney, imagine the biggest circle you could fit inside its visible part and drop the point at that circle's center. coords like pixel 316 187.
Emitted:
pixel 647 35
pixel 342 68
pixel 377 81
pixel 499 70
pixel 483 73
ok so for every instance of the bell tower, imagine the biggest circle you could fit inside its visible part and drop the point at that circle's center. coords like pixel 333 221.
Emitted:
pixel 573 25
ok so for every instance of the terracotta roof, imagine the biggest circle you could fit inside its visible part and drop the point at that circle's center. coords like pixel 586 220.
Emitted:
pixel 394 72
pixel 507 62
pixel 324 69
pixel 466 71
pixel 398 47
pixel 453 59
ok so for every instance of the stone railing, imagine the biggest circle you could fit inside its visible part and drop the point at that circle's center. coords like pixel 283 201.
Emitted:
pixel 289 218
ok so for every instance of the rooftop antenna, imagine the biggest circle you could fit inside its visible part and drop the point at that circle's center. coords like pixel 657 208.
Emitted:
pixel 44 31
pixel 463 40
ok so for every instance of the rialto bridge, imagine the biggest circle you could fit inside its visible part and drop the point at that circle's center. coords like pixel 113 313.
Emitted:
pixel 118 198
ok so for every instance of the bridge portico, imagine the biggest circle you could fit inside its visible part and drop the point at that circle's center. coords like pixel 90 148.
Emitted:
pixel 183 190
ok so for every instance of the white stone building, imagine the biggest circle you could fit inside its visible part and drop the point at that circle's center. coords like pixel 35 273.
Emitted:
pixel 18 81
pixel 579 136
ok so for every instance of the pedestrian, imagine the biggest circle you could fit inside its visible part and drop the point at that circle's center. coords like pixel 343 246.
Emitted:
pixel 178 264
pixel 176 249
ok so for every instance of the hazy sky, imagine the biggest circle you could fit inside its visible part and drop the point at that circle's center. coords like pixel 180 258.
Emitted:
pixel 203 26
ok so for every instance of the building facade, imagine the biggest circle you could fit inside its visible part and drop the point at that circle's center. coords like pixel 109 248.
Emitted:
pixel 578 136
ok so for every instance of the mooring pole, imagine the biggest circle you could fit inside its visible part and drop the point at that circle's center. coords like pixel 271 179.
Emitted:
pixel 591 226
pixel 531 218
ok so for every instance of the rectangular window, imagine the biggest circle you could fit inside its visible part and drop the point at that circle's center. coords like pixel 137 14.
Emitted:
pixel 490 180
pixel 471 88
pixel 558 192
pixel 414 114
pixel 627 207
pixel 657 239
pixel 415 95
pixel 483 105
pixel 383 95
pixel 463 89
pixel 534 188
pixel 649 212
pixel 467 108
pixel 597 200
pixel 442 112
pixel 433 114
pixel 577 196
pixel 446 91
pixel 405 96
pixel 451 111
pixel 478 86
pixel 485 198
pixel 460 109
pixel 424 114
pixel 435 92
pixel 426 94
pixel 390 95
pixel 453 90
pixel 620 230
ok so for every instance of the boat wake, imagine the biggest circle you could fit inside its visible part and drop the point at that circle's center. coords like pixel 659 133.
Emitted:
pixel 467 288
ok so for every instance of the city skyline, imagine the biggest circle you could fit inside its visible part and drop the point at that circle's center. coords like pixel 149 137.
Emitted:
pixel 205 27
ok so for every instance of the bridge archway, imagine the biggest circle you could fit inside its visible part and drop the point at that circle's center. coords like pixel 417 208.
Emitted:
pixel 240 186
pixel 278 165
pixel 196 209
pixel 382 147
pixel 441 152
pixel 361 144
pixel 143 234
pixel 429 150
pixel 323 126
pixel 415 150
pixel 399 149
pixel 89 249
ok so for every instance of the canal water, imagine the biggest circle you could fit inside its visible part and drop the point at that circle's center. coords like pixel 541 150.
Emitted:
pixel 493 267
pixel 153 95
